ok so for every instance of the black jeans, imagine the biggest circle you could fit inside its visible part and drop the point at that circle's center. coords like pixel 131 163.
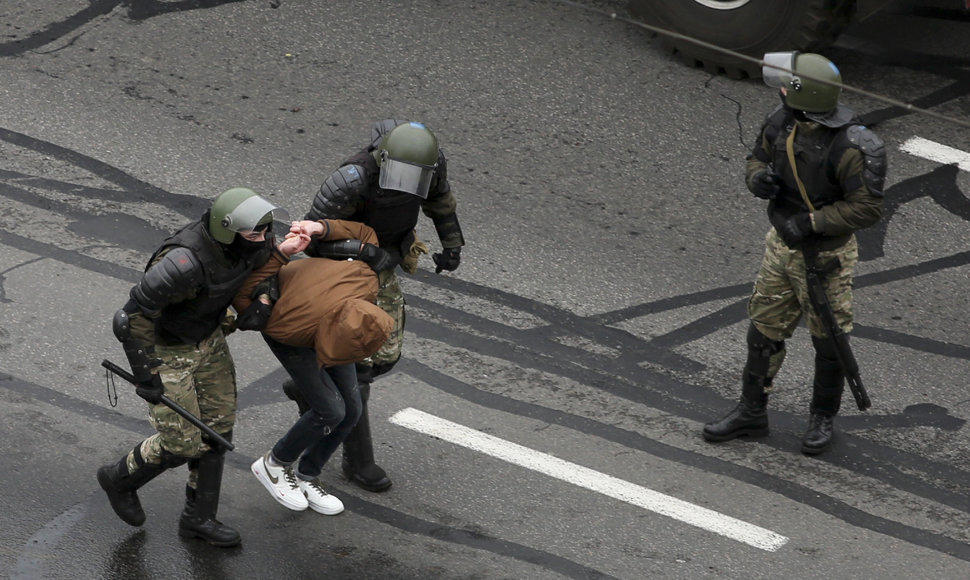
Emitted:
pixel 335 407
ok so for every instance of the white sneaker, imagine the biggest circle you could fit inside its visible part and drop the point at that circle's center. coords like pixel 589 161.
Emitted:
pixel 320 501
pixel 281 484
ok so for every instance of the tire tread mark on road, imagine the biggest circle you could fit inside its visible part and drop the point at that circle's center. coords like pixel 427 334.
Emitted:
pixel 69 257
pixel 56 30
pixel 135 190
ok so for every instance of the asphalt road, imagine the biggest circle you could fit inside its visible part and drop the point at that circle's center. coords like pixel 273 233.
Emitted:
pixel 545 420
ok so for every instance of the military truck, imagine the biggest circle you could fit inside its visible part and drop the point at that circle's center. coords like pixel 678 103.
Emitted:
pixel 754 27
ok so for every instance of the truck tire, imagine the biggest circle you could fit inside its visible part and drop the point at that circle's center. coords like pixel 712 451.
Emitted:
pixel 750 27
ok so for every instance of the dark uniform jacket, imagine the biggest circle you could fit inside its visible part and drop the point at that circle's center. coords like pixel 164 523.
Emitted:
pixel 842 169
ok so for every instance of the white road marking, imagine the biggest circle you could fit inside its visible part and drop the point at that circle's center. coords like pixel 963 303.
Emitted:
pixel 592 480
pixel 936 152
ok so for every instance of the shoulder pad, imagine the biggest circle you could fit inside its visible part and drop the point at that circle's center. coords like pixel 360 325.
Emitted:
pixel 381 127
pixel 865 140
pixel 873 156
pixel 338 196
pixel 176 275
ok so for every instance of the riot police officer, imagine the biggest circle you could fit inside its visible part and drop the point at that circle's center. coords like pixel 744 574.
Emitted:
pixel 823 174
pixel 386 185
pixel 171 330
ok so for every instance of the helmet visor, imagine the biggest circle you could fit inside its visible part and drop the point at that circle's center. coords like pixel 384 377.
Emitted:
pixel 251 213
pixel 777 67
pixel 408 177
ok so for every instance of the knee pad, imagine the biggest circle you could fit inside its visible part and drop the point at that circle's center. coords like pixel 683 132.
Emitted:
pixel 760 350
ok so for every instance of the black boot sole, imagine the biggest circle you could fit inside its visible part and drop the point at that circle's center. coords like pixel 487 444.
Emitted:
pixel 815 450
pixel 376 486
pixel 753 433
pixel 190 534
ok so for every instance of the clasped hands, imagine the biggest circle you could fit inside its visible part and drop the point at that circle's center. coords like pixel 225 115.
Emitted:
pixel 298 238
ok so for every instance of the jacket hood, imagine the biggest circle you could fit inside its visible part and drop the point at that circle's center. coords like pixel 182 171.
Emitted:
pixel 351 331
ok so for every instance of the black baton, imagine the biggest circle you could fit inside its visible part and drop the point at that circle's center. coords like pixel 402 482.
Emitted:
pixel 209 433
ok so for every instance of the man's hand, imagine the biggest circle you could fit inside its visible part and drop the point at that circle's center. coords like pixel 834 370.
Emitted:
pixel 448 259
pixel 795 229
pixel 151 390
pixel 308 227
pixel 255 317
pixel 294 243
pixel 764 184
pixel 377 258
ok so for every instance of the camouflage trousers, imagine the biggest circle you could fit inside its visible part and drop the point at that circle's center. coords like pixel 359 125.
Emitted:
pixel 202 379
pixel 780 297
pixel 391 300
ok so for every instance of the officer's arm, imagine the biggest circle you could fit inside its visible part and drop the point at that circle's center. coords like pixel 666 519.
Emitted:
pixel 441 206
pixel 338 198
pixel 861 171
pixel 175 276
pixel 339 194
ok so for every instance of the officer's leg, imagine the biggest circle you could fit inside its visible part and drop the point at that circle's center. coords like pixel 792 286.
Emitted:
pixel 122 480
pixel 826 397
pixel 358 455
pixel 202 503
pixel 829 381
pixel 750 416
pixel 152 456
pixel 215 390
pixel 358 450
pixel 774 312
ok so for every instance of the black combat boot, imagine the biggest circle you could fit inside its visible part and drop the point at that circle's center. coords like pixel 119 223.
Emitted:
pixel 201 504
pixel 292 393
pixel 121 486
pixel 358 455
pixel 750 416
pixel 826 398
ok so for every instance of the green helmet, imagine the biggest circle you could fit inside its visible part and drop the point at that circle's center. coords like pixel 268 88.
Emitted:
pixel 807 86
pixel 240 209
pixel 408 158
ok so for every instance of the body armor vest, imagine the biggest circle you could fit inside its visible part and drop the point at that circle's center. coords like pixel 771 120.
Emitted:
pixel 392 214
pixel 812 154
pixel 192 320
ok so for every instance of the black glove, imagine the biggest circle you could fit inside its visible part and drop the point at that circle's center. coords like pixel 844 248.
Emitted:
pixel 795 229
pixel 448 259
pixel 377 258
pixel 151 390
pixel 270 287
pixel 764 184
pixel 254 317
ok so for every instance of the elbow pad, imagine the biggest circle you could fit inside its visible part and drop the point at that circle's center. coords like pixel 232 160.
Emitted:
pixel 177 275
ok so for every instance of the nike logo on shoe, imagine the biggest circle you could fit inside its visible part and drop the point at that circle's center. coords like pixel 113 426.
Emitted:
pixel 269 473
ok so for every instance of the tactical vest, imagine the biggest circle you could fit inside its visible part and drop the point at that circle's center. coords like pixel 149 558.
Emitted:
pixel 192 320
pixel 816 161
pixel 392 214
